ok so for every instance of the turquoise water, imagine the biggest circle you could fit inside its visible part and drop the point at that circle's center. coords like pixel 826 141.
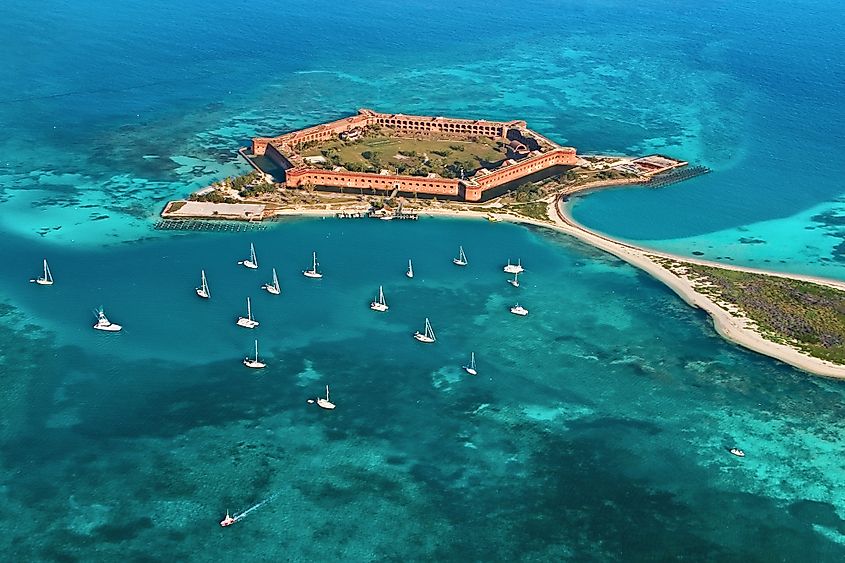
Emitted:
pixel 598 424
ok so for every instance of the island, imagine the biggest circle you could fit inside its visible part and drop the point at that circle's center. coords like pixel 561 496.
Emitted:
pixel 396 166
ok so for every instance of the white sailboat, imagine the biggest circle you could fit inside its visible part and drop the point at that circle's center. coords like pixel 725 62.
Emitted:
pixel 519 310
pixel 203 290
pixel 252 263
pixel 325 403
pixel 313 273
pixel 103 322
pixel 254 363
pixel 461 260
pixel 379 304
pixel 273 287
pixel 514 268
pixel 248 321
pixel 470 369
pixel 515 281
pixel 410 272
pixel 428 336
pixel 46 278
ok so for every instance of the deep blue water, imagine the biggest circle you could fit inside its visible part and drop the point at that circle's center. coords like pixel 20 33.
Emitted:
pixel 597 427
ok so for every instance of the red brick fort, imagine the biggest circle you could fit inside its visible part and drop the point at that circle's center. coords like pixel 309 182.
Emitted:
pixel 538 157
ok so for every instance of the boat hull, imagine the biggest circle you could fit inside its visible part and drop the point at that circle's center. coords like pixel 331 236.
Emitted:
pixel 247 323
pixel 312 274
pixel 470 370
pixel 375 306
pixel 324 404
pixel 458 262
pixel 271 289
pixel 202 293
pixel 519 311
pixel 111 327
pixel 423 338
pixel 42 281
pixel 249 264
pixel 254 364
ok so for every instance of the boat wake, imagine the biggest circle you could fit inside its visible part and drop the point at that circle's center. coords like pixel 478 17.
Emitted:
pixel 245 513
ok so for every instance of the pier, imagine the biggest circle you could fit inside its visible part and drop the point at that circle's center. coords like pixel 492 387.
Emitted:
pixel 208 226
pixel 677 175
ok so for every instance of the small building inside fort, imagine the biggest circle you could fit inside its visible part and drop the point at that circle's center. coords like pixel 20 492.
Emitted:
pixel 411 155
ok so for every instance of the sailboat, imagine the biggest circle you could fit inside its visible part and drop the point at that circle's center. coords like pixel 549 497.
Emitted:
pixel 252 263
pixel 470 369
pixel 461 260
pixel 203 290
pixel 325 403
pixel 46 279
pixel 519 310
pixel 515 281
pixel 410 272
pixel 379 304
pixel 103 322
pixel 313 273
pixel 273 287
pixel 254 363
pixel 427 336
pixel 514 268
pixel 248 321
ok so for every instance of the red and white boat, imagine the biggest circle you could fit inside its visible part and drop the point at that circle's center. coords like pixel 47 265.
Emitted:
pixel 228 520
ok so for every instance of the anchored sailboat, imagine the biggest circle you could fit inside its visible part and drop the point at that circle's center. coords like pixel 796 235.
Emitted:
pixel 103 322
pixel 470 369
pixel 519 310
pixel 248 321
pixel 46 278
pixel 273 287
pixel 325 403
pixel 313 273
pixel 379 304
pixel 427 336
pixel 515 281
pixel 252 263
pixel 203 290
pixel 254 362
pixel 461 260
pixel 410 272
pixel 514 268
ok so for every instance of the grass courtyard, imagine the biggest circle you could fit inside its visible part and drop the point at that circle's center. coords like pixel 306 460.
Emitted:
pixel 410 156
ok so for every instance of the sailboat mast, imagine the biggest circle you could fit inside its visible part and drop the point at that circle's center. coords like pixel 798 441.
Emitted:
pixel 327 392
pixel 248 309
pixel 256 350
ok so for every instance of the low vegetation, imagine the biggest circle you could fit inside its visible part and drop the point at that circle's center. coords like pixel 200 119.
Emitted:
pixel 808 316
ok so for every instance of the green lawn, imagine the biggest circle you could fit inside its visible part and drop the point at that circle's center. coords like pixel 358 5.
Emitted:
pixel 384 153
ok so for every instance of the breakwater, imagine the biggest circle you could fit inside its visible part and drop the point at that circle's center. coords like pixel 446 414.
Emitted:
pixel 677 175
pixel 199 225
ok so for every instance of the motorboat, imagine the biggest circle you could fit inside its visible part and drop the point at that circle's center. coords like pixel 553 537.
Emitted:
pixel 461 260
pixel 514 268
pixel 470 369
pixel 248 321
pixel 228 520
pixel 379 304
pixel 427 336
pixel 273 287
pixel 252 262
pixel 519 310
pixel 104 324
pixel 737 452
pixel 203 290
pixel 46 278
pixel 313 273
pixel 254 363
pixel 325 403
